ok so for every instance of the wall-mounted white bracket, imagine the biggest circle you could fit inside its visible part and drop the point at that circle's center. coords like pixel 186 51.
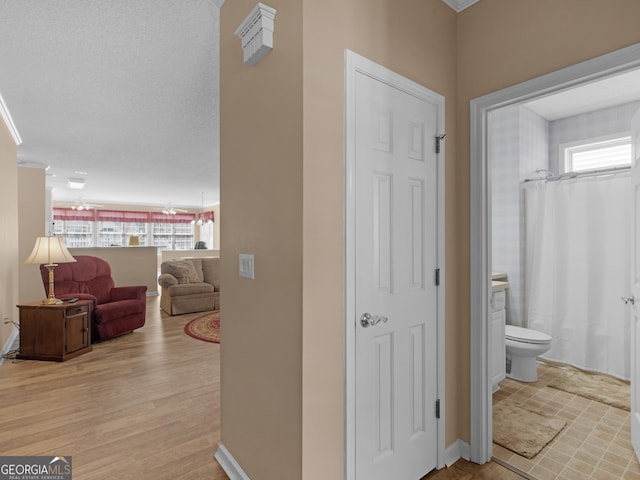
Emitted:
pixel 256 33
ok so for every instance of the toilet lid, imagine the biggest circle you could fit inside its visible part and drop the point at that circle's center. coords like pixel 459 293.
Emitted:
pixel 525 335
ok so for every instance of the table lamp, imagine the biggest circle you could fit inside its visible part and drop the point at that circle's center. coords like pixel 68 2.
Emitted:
pixel 49 251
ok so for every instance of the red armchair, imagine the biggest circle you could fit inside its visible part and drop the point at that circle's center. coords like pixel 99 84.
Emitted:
pixel 116 310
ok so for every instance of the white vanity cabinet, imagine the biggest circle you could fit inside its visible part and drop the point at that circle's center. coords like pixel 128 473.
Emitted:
pixel 497 340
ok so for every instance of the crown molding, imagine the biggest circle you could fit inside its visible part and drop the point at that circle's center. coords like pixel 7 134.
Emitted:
pixel 6 116
pixel 459 5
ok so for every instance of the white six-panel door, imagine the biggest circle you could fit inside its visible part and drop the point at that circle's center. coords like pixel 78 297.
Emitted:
pixel 396 297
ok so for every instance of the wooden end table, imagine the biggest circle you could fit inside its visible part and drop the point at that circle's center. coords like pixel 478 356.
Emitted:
pixel 55 332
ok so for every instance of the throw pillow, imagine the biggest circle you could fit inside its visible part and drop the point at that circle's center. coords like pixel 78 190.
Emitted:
pixel 184 272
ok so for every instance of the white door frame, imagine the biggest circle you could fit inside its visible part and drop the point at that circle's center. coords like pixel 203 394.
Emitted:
pixel 613 63
pixel 355 64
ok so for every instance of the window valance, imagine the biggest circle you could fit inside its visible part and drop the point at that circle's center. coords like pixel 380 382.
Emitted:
pixel 71 214
pixel 159 217
pixel 121 216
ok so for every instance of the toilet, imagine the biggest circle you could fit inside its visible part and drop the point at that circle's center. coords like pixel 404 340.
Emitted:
pixel 523 345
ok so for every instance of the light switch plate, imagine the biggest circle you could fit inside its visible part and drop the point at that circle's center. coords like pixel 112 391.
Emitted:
pixel 245 266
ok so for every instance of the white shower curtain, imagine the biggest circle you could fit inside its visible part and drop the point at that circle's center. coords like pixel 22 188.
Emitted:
pixel 577 269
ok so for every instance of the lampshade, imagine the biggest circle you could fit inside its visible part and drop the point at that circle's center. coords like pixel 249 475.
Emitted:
pixel 48 250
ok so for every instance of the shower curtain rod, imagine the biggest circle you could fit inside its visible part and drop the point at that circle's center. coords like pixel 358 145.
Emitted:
pixel 591 173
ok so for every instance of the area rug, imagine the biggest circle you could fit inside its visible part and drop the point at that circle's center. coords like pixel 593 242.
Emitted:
pixel 595 386
pixel 521 430
pixel 206 327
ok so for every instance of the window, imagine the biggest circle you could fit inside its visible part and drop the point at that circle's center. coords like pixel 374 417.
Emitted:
pixel 173 236
pixel 114 228
pixel 183 236
pixel 77 233
pixel 110 234
pixel 136 229
pixel 597 154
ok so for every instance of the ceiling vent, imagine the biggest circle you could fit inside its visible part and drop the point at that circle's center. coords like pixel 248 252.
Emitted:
pixel 75 183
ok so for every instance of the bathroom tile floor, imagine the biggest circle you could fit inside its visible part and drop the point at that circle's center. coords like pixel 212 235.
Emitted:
pixel 595 443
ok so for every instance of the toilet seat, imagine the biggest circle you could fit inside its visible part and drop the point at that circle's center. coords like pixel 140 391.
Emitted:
pixel 525 335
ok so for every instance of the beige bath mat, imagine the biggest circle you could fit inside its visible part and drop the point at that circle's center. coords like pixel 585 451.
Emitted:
pixel 595 386
pixel 521 430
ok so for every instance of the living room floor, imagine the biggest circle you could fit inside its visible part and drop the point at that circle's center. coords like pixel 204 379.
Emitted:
pixel 144 405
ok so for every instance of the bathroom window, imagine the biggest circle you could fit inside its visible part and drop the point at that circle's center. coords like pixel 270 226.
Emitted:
pixel 597 154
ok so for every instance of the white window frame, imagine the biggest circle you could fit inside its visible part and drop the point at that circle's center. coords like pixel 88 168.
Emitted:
pixel 567 150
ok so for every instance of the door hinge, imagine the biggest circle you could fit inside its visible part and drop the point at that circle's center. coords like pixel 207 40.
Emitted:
pixel 439 139
pixel 437 277
pixel 438 408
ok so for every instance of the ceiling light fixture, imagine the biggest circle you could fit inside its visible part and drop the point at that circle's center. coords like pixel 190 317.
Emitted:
pixel 75 183
pixel 81 205
pixel 169 210
pixel 201 218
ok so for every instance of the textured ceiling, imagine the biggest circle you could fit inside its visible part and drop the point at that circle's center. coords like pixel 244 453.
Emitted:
pixel 127 92
pixel 124 90
pixel 611 91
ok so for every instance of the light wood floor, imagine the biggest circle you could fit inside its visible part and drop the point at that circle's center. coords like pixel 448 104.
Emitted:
pixel 141 406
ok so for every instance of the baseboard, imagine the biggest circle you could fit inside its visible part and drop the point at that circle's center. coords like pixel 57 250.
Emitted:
pixel 8 344
pixel 229 465
pixel 516 470
pixel 454 452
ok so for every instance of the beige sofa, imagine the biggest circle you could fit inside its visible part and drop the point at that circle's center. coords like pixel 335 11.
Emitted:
pixel 190 285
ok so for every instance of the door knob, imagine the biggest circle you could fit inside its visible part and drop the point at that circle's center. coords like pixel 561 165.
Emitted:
pixel 370 320
pixel 629 300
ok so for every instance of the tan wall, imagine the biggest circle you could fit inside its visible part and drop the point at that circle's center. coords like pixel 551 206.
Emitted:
pixel 129 265
pixel 418 40
pixel 216 226
pixel 491 45
pixel 262 180
pixel 9 272
pixel 166 255
pixel 504 42
pixel 261 189
pixel 31 222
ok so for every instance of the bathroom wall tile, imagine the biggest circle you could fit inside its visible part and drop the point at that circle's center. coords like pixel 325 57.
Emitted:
pixel 521 142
